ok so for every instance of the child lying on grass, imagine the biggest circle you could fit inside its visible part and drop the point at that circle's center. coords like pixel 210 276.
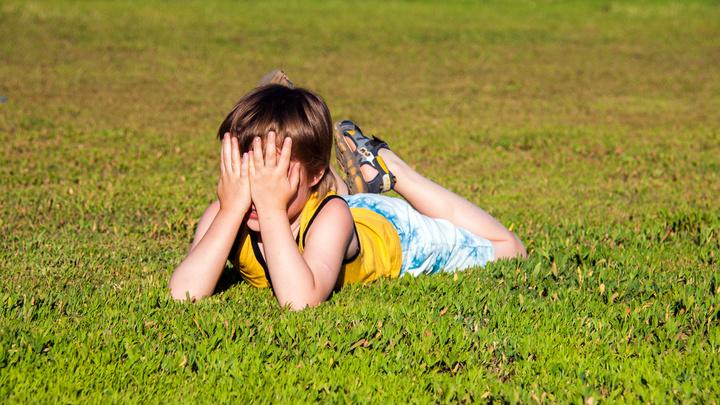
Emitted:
pixel 280 222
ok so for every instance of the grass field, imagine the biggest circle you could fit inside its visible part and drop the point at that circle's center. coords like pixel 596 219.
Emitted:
pixel 591 129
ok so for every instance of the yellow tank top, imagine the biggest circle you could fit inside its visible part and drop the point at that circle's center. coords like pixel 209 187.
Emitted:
pixel 379 252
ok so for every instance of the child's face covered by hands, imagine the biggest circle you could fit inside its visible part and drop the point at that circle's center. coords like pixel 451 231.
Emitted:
pixel 275 182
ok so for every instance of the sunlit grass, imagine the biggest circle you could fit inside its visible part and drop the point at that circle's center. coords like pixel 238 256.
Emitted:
pixel 590 128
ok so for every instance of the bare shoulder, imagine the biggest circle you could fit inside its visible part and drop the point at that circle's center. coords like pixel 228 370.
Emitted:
pixel 333 221
pixel 335 211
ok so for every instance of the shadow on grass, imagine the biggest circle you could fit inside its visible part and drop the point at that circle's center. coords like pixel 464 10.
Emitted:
pixel 229 278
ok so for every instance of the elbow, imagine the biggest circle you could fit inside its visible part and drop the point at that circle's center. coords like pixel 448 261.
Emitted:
pixel 181 292
pixel 295 308
pixel 301 303
pixel 300 306
pixel 176 291
pixel 301 298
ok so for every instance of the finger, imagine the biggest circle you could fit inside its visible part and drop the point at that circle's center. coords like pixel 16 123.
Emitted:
pixel 270 150
pixel 251 163
pixel 245 170
pixel 285 154
pixel 235 155
pixel 257 153
pixel 294 176
pixel 223 153
pixel 244 165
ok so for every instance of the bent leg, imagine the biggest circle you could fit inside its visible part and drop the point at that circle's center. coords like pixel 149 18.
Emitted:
pixel 435 201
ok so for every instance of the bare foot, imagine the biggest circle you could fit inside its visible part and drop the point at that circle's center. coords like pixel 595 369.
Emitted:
pixel 369 173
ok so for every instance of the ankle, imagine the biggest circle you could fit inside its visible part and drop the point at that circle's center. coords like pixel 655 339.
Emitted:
pixel 396 165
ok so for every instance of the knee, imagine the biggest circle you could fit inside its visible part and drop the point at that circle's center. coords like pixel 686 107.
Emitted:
pixel 510 248
pixel 519 247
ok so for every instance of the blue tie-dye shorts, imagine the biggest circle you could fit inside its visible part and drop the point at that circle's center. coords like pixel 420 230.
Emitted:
pixel 428 244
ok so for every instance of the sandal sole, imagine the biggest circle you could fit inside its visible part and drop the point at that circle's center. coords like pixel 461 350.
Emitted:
pixel 275 76
pixel 349 163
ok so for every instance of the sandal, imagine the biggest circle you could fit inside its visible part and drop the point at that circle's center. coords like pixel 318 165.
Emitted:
pixel 366 153
pixel 275 76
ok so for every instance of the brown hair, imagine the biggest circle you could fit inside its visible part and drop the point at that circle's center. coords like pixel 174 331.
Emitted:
pixel 295 112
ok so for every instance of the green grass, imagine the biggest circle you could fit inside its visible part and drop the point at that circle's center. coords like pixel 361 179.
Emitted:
pixel 590 128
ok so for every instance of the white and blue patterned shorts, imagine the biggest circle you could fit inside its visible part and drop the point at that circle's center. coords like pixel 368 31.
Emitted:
pixel 428 245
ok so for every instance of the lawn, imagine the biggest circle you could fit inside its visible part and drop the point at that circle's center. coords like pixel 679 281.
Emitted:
pixel 591 129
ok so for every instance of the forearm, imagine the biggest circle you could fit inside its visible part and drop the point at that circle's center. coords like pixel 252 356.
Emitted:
pixel 198 274
pixel 292 279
